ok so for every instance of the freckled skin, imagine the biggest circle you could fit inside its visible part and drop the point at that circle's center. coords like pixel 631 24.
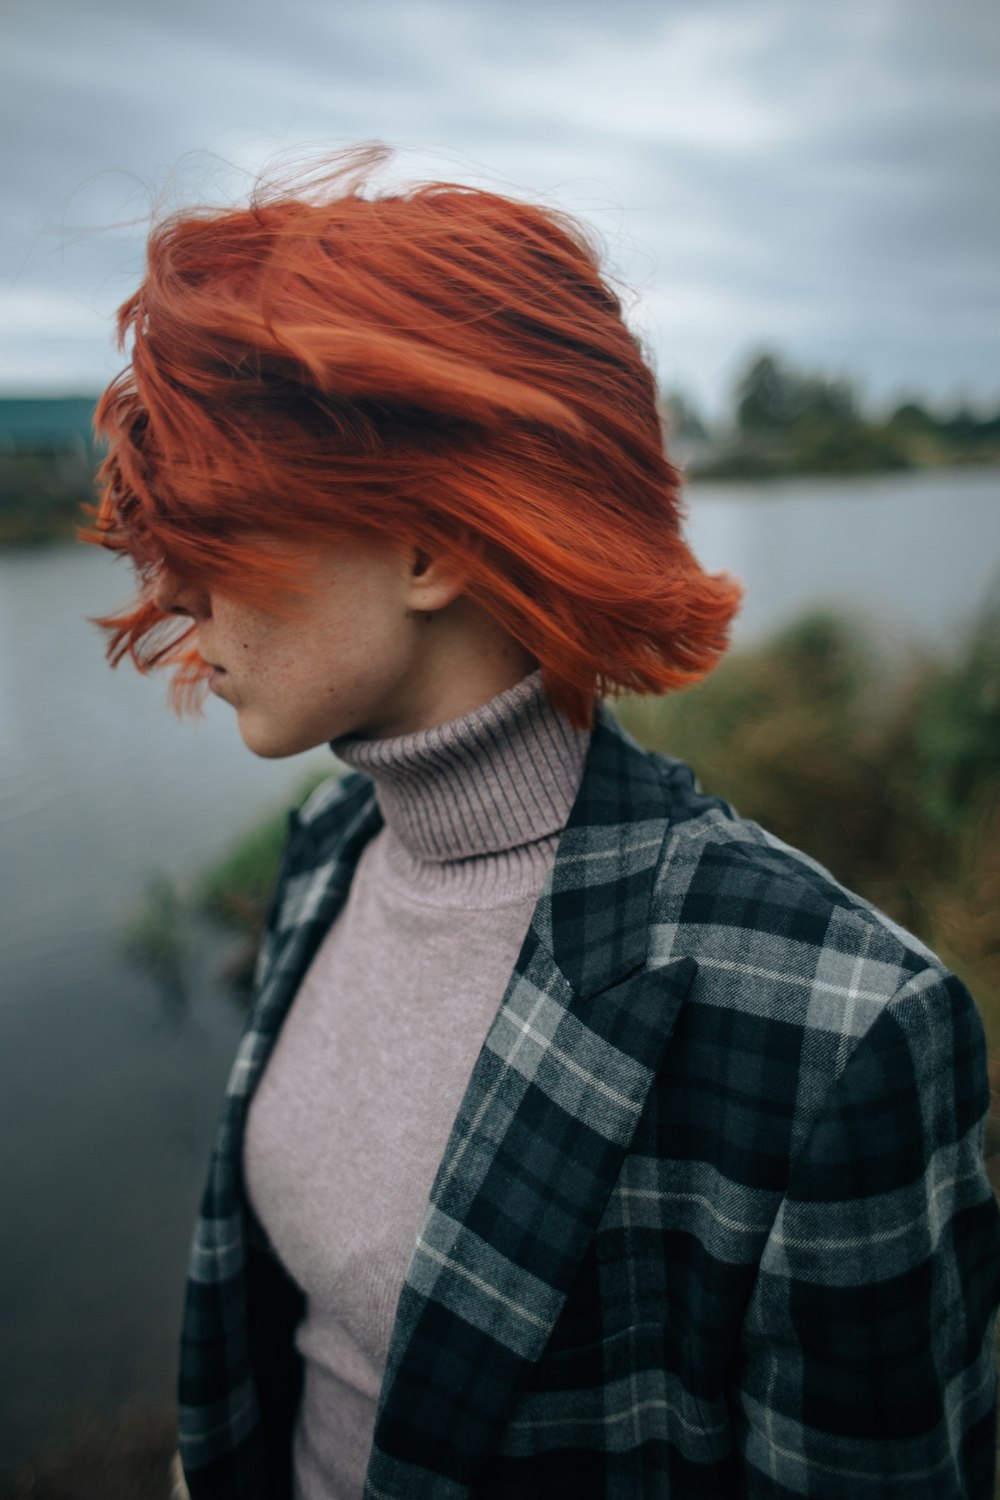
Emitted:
pixel 384 644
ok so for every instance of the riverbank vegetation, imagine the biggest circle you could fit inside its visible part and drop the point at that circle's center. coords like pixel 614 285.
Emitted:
pixel 783 421
pixel 42 495
pixel 47 462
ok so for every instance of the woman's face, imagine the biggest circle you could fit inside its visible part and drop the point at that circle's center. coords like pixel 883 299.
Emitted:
pixel 350 660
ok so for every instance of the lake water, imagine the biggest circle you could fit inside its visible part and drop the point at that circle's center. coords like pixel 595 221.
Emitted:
pixel 107 1093
pixel 908 557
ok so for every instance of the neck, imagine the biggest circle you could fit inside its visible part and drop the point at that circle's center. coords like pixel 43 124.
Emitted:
pixel 465 659
pixel 497 778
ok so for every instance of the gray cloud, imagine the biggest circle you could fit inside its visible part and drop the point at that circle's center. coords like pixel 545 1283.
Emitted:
pixel 761 172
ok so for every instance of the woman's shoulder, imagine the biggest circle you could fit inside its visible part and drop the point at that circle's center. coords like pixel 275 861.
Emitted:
pixel 726 874
pixel 773 932
pixel 801 988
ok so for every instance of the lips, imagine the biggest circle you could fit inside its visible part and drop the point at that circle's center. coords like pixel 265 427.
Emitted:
pixel 214 674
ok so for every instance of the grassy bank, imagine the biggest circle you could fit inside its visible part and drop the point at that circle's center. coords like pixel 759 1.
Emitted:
pixel 42 496
pixel 784 420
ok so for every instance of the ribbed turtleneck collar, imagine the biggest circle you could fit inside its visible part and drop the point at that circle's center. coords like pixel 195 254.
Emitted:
pixel 502 776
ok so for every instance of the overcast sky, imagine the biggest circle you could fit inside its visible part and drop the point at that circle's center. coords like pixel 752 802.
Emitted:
pixel 821 178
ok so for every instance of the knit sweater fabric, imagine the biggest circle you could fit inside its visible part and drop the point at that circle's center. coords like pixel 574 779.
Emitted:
pixel 350 1120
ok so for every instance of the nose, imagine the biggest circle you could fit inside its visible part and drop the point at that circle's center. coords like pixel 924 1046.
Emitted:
pixel 177 596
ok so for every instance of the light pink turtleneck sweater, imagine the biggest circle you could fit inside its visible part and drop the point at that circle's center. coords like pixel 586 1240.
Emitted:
pixel 350 1120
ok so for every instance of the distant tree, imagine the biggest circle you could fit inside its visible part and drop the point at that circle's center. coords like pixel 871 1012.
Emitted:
pixel 965 429
pixel 913 416
pixel 681 417
pixel 786 420
pixel 773 396
pixel 828 401
pixel 766 396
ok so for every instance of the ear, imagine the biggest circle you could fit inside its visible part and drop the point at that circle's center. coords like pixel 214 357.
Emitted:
pixel 433 580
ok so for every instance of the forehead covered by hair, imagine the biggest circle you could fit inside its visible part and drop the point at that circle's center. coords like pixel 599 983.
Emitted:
pixel 438 365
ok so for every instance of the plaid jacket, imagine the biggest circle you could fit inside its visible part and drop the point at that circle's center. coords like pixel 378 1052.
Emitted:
pixel 712 1221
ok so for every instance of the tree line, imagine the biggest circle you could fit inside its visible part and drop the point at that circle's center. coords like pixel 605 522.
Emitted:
pixel 785 420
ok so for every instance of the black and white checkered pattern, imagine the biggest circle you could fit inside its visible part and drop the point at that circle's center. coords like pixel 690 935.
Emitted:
pixel 713 1219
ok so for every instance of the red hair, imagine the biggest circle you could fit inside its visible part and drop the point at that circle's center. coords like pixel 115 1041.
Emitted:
pixel 439 366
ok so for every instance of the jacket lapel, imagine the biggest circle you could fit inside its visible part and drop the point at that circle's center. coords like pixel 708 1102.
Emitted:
pixel 551 1106
pixel 310 899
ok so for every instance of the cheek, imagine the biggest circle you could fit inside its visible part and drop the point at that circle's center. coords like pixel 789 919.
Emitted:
pixel 253 647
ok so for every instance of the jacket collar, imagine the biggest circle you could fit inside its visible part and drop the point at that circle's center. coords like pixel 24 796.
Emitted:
pixel 593 914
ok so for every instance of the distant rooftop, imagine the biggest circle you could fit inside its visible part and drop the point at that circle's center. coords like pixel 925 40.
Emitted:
pixel 49 423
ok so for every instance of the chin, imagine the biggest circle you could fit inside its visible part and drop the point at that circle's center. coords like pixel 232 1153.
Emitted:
pixel 271 752
pixel 268 746
pixel 268 742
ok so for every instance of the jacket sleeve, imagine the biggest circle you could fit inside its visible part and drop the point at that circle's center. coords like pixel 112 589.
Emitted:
pixel 868 1364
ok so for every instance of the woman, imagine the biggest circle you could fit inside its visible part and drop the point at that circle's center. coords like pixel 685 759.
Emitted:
pixel 584 1139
